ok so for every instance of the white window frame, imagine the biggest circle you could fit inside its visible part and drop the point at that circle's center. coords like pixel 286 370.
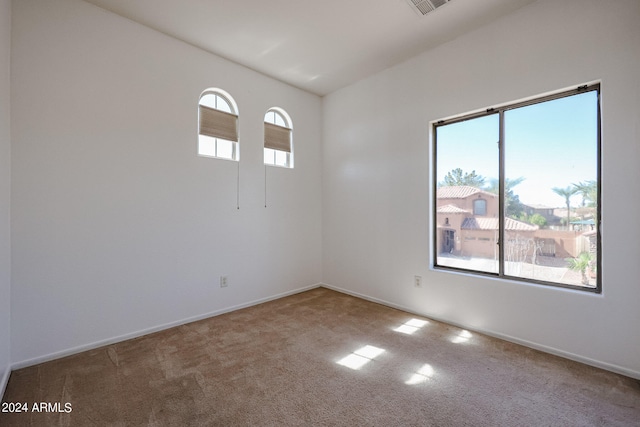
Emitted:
pixel 277 158
pixel 222 102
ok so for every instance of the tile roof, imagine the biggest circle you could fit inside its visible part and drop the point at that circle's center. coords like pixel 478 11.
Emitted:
pixel 459 192
pixel 537 206
pixel 451 209
pixel 492 224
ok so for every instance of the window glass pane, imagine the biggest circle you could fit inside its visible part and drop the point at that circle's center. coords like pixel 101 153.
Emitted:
pixel 213 100
pixel 269 156
pixel 480 207
pixel 275 118
pixel 225 149
pixel 281 158
pixel 223 105
pixel 551 173
pixel 466 164
pixel 209 100
pixel 206 146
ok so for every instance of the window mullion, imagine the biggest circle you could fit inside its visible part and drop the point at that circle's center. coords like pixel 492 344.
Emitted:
pixel 501 197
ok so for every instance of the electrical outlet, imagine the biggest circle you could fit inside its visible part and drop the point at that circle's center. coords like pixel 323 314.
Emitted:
pixel 417 281
pixel 224 281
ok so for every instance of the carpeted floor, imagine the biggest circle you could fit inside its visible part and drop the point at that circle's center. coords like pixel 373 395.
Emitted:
pixel 319 358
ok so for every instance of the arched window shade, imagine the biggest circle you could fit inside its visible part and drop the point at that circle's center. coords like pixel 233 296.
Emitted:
pixel 218 124
pixel 277 137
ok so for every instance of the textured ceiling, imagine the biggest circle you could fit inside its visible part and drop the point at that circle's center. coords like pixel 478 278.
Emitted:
pixel 316 45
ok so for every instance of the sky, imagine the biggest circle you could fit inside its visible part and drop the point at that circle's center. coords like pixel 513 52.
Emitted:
pixel 550 144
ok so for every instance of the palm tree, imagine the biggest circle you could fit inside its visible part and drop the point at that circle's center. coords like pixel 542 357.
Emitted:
pixel 580 264
pixel 567 193
pixel 589 192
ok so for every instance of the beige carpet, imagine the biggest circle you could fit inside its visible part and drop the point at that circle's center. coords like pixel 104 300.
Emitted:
pixel 320 358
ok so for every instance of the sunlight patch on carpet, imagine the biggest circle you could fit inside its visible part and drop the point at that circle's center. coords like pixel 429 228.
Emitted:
pixel 422 375
pixel 462 337
pixel 360 357
pixel 411 326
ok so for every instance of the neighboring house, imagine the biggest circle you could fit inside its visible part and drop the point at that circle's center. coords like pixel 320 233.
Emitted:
pixel 467 223
pixel 546 211
pixel 467 219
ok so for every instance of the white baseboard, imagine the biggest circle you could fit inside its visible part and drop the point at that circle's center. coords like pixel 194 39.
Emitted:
pixel 90 346
pixel 4 380
pixel 536 346
pixel 136 334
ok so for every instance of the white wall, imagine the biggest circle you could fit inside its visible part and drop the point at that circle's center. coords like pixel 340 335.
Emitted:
pixel 118 227
pixel 376 177
pixel 5 193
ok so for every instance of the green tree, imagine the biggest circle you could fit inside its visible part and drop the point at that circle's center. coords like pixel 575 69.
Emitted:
pixel 567 193
pixel 538 220
pixel 535 219
pixel 589 192
pixel 580 264
pixel 459 177
pixel 514 207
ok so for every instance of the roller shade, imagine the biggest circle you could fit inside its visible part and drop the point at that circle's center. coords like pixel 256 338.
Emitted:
pixel 218 124
pixel 277 137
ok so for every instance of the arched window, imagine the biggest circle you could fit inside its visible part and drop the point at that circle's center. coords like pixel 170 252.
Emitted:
pixel 278 138
pixel 480 207
pixel 218 125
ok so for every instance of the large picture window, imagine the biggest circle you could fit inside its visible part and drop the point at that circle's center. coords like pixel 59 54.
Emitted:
pixel 517 191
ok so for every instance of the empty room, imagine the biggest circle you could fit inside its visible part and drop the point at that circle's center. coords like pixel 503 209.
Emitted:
pixel 383 212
